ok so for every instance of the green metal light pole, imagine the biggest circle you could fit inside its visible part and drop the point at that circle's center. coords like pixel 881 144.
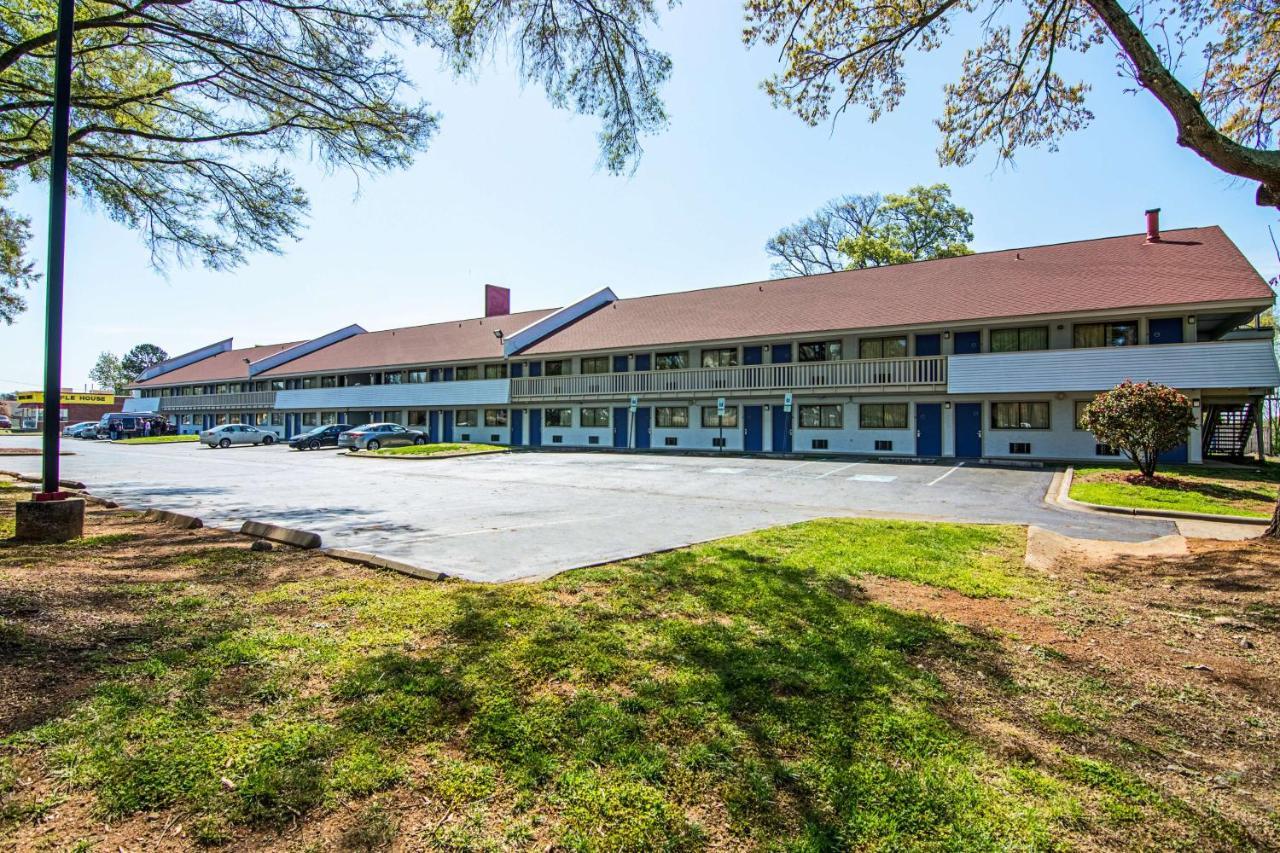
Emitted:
pixel 57 242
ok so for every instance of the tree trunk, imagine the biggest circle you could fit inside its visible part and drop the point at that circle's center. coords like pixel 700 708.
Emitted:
pixel 1273 532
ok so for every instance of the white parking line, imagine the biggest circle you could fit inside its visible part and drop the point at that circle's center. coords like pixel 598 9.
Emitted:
pixel 794 468
pixel 726 470
pixel 945 475
pixel 872 478
pixel 837 470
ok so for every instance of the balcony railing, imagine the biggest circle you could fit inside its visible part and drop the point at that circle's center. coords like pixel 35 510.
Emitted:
pixel 835 375
pixel 246 401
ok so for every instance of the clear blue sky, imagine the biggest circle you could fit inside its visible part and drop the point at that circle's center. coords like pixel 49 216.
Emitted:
pixel 509 193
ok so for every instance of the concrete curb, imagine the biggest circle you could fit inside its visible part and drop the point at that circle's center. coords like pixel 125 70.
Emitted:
pixel 377 562
pixel 435 457
pixel 284 535
pixel 1062 499
pixel 32 478
pixel 163 516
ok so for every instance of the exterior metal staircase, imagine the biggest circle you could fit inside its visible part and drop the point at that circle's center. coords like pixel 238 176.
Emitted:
pixel 1226 429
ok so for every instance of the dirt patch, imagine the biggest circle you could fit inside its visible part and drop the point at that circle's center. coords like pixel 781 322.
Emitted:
pixel 1165 664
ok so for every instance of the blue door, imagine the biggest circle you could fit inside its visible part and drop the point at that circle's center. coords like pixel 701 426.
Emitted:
pixel 781 428
pixel 447 432
pixel 535 369
pixel 928 344
pixel 1167 330
pixel 642 361
pixel 753 355
pixel 448 374
pixel 642 425
pixel 535 425
pixel 968 342
pixel 928 429
pixel 753 428
pixel 1177 456
pixel 780 353
pixel 517 370
pixel 621 414
pixel 433 425
pixel 619 364
pixel 969 430
pixel 517 427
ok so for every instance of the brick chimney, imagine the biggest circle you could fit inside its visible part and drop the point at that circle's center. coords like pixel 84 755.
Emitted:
pixel 497 300
pixel 1153 225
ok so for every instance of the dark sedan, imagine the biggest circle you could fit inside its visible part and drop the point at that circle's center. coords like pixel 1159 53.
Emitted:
pixel 321 436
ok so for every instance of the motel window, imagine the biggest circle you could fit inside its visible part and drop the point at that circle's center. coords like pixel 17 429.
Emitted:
pixel 595 416
pixel 263 419
pixel 1020 340
pixel 222 389
pixel 310 382
pixel 326 419
pixel 467 372
pixel 495 371
pixel 558 367
pixel 394 377
pixel 328 382
pixel 220 419
pixel 596 364
pixel 310 419
pixel 893 347
pixel 186 419
pixel 466 418
pixel 821 351
pixel 1080 404
pixel 417 417
pixel 277 419
pixel 1029 415
pixel 670 360
pixel 557 417
pixel 495 417
pixel 725 357
pixel 821 417
pixel 277 384
pixel 882 416
pixel 417 377
pixel 671 417
pixel 1105 335
pixel 710 420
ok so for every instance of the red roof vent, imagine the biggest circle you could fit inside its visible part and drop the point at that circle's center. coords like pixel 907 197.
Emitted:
pixel 497 300
pixel 1153 225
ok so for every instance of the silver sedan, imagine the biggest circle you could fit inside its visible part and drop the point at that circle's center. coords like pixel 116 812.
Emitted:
pixel 374 436
pixel 229 434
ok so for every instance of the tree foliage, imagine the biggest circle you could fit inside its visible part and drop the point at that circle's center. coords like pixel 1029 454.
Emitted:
pixel 1214 65
pixel 859 231
pixel 183 113
pixel 108 374
pixel 1141 420
pixel 140 358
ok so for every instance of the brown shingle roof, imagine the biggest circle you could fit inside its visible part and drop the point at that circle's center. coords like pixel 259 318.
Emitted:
pixel 465 340
pixel 1190 265
pixel 226 366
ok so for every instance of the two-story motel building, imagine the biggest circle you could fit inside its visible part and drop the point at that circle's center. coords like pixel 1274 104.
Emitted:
pixel 985 356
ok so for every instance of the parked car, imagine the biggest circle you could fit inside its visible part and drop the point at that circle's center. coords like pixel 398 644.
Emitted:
pixel 5 423
pixel 132 425
pixel 79 430
pixel 228 434
pixel 321 436
pixel 374 436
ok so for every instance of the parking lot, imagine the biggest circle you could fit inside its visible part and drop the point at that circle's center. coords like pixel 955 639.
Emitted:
pixel 524 515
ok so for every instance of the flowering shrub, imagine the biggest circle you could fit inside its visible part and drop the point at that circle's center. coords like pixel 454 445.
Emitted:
pixel 1140 419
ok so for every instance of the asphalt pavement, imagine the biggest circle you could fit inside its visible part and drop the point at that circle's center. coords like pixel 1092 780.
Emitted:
pixel 532 514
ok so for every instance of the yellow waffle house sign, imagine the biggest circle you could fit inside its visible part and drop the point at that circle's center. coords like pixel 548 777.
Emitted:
pixel 37 397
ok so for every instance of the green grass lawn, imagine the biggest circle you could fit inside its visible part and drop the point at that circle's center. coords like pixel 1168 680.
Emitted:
pixel 158 439
pixel 739 694
pixel 443 449
pixel 1188 488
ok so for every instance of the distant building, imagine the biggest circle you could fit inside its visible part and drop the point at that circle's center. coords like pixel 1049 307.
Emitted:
pixel 28 412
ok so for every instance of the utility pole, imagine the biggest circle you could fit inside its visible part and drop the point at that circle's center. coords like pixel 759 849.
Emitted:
pixel 57 245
